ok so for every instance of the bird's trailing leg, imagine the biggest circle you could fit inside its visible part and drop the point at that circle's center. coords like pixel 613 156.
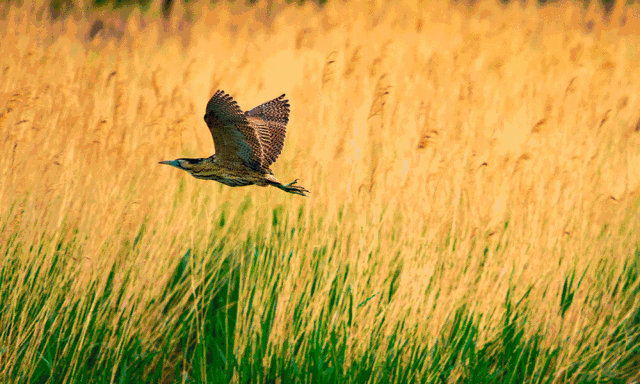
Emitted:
pixel 292 188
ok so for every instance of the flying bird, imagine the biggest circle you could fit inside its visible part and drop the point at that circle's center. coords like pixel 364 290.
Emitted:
pixel 246 144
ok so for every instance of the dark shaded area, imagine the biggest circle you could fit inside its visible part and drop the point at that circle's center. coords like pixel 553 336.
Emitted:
pixel 96 28
pixel 122 3
pixel 61 8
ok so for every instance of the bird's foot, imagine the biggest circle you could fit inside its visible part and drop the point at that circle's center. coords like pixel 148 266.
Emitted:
pixel 296 189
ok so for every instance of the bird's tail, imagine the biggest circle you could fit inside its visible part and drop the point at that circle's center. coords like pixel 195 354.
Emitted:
pixel 291 188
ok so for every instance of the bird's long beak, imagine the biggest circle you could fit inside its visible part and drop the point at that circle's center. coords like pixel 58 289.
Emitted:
pixel 173 163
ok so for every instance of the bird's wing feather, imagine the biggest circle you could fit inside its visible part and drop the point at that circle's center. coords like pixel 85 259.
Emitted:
pixel 270 120
pixel 234 138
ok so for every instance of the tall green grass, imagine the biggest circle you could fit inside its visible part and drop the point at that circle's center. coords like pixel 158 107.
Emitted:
pixel 214 320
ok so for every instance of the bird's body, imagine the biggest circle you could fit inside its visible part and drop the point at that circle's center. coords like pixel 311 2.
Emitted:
pixel 246 143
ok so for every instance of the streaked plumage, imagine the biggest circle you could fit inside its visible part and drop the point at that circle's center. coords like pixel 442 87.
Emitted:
pixel 246 144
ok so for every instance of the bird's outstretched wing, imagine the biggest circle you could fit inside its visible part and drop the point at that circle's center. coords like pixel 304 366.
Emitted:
pixel 234 138
pixel 270 122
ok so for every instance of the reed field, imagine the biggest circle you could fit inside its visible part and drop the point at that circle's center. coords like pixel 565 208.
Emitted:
pixel 474 210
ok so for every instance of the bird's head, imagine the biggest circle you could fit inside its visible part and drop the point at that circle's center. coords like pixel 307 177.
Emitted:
pixel 184 164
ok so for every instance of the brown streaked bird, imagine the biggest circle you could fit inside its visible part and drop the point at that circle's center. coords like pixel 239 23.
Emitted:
pixel 246 144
